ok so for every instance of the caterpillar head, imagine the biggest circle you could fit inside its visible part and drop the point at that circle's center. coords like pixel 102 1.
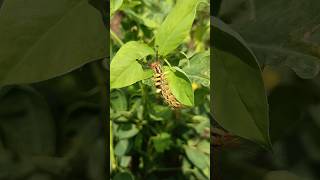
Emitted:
pixel 155 64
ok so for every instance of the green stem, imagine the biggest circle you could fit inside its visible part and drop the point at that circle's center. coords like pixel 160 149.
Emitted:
pixel 116 38
pixel 167 62
pixel 112 157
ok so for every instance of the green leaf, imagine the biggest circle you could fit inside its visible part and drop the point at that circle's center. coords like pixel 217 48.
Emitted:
pixel 180 85
pixel 160 113
pixel 114 6
pixel 125 161
pixel 48 38
pixel 126 130
pixel 198 69
pixel 122 147
pixel 162 142
pixel 198 158
pixel 176 26
pixel 239 99
pixel 118 100
pixel 125 69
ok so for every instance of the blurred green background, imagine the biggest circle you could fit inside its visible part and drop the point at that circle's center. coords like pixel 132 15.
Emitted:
pixel 54 130
pixel 285 36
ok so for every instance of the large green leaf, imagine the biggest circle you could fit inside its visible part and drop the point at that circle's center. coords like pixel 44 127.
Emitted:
pixel 180 85
pixel 176 26
pixel 239 99
pixel 125 69
pixel 42 39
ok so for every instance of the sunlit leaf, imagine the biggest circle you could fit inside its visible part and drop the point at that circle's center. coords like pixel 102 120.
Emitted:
pixel 176 26
pixel 180 85
pixel 125 68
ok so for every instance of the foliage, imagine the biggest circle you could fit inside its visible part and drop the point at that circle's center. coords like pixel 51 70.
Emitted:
pixel 150 140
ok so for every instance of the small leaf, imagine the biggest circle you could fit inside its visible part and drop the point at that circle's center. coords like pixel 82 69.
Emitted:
pixel 125 161
pixel 160 113
pixel 180 85
pixel 122 147
pixel 176 26
pixel 198 69
pixel 198 158
pixel 162 142
pixel 118 100
pixel 239 98
pixel 125 69
pixel 126 130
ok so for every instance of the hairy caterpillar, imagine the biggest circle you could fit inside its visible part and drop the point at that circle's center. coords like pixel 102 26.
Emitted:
pixel 162 86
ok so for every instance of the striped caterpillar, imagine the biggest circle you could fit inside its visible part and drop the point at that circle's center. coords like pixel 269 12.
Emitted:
pixel 162 85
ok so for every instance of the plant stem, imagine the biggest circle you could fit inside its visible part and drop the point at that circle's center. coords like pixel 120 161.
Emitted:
pixel 116 38
pixel 112 158
pixel 167 62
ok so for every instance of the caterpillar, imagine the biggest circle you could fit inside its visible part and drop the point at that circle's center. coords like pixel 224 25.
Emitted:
pixel 162 86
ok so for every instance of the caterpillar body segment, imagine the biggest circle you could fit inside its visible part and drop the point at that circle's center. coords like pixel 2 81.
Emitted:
pixel 162 86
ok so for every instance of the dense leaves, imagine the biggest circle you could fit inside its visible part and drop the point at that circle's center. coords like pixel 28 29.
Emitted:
pixel 150 139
